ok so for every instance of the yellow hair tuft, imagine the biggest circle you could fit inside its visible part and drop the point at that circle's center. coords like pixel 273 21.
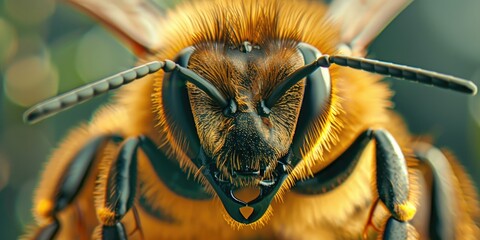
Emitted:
pixel 406 211
pixel 106 216
pixel 44 208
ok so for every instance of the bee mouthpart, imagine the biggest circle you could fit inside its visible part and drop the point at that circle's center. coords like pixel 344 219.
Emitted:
pixel 226 187
pixel 247 173
pixel 267 183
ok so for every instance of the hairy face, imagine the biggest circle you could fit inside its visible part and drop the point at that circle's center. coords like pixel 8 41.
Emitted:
pixel 246 145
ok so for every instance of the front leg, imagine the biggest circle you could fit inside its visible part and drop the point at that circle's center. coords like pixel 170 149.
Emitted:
pixel 119 192
pixel 67 186
pixel 393 186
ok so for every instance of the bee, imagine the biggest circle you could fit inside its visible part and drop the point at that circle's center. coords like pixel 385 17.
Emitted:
pixel 250 120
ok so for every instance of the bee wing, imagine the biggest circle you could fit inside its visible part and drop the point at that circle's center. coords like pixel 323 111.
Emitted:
pixel 361 21
pixel 136 21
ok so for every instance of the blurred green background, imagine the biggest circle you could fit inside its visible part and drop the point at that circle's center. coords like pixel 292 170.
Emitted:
pixel 47 48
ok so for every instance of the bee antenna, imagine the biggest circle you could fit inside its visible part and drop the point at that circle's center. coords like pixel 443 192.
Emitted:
pixel 374 66
pixel 203 84
pixel 291 80
pixel 401 72
pixel 84 93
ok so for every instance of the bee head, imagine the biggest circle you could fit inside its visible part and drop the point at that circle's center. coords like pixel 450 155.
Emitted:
pixel 247 136
pixel 243 141
pixel 246 116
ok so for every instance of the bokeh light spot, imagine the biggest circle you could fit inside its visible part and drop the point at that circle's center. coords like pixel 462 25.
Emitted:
pixel 30 80
pixel 32 44
pixel 100 54
pixel 63 52
pixel 24 203
pixel 30 12
pixel 8 41
pixel 4 171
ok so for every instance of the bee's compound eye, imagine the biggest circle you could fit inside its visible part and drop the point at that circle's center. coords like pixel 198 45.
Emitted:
pixel 231 109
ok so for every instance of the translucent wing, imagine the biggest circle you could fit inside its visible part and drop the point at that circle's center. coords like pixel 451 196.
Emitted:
pixel 362 20
pixel 136 21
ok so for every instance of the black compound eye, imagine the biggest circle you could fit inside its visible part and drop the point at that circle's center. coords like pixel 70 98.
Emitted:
pixel 177 104
pixel 316 97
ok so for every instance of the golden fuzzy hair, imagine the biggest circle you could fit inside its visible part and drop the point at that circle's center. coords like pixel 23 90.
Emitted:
pixel 207 25
pixel 358 100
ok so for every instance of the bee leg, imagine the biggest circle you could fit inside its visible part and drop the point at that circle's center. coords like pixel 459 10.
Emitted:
pixel 393 185
pixel 49 231
pixel 395 229
pixel 119 192
pixel 70 184
pixel 444 205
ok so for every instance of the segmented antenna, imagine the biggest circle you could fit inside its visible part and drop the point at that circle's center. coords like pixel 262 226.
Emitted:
pixel 291 80
pixel 79 95
pixel 203 84
pixel 69 99
pixel 401 72
pixel 84 93
pixel 373 66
